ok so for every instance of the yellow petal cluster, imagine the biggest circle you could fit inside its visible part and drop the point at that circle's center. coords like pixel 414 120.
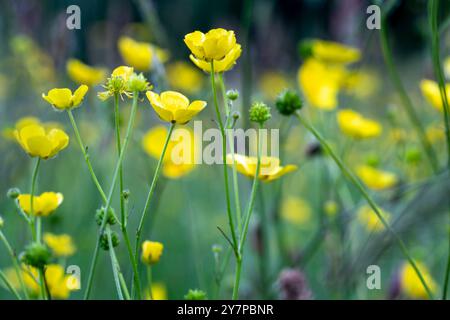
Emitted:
pixel 43 205
pixel 430 91
pixel 174 107
pixel 61 245
pixel 410 282
pixel 183 76
pixel 63 99
pixel 151 252
pixel 83 74
pixel 356 126
pixel 376 179
pixel 369 219
pixel 270 170
pixel 42 142
pixel 217 46
pixel 140 55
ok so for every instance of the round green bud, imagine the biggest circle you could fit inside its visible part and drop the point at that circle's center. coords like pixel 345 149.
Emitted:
pixel 259 112
pixel 413 155
pixel 104 243
pixel 126 194
pixel 36 255
pixel 100 213
pixel 195 295
pixel 232 94
pixel 235 115
pixel 288 102
pixel 138 83
pixel 373 160
pixel 13 193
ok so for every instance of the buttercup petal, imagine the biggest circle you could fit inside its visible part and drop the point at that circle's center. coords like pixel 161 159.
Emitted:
pixel 79 94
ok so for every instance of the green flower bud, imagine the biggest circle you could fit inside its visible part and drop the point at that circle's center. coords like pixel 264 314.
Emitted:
pixel 126 194
pixel 2 222
pixel 195 295
pixel 13 193
pixel 232 94
pixel 104 243
pixel 99 214
pixel 288 102
pixel 373 160
pixel 259 112
pixel 235 115
pixel 413 155
pixel 36 255
pixel 217 248
pixel 138 83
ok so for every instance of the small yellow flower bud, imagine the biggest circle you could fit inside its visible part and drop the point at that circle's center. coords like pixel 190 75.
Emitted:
pixel 151 252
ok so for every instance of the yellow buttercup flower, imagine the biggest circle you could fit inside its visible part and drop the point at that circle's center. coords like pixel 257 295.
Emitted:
pixel 410 282
pixel 61 245
pixel 38 141
pixel 333 52
pixel 139 54
pixel 217 45
pixel 83 74
pixel 183 76
pixel 62 98
pixel 153 144
pixel 58 281
pixel 369 219
pixel 158 292
pixel 296 210
pixel 272 83
pixel 430 91
pixel 43 205
pixel 151 252
pixel 376 179
pixel 172 106
pixel 270 168
pixel 356 126
pixel 321 83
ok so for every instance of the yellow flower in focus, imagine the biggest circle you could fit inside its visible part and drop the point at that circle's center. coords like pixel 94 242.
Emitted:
pixel 61 245
pixel 356 126
pixel 41 142
pixel 333 52
pixel 83 74
pixel 151 252
pixel 270 167
pixel 411 284
pixel 272 83
pixel 430 91
pixel 43 205
pixel 158 292
pixel 369 219
pixel 217 45
pixel 321 83
pixel 295 210
pixel 183 76
pixel 376 179
pixel 172 106
pixel 140 54
pixel 153 144
pixel 62 98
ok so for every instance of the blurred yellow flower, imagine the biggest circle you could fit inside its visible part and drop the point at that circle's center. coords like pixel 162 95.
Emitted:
pixel 62 98
pixel 158 292
pixel 369 219
pixel 183 76
pixel 362 83
pixel 411 284
pixel 331 208
pixel 333 52
pixel 270 167
pixel 83 74
pixel 295 210
pixel 151 252
pixel 172 106
pixel 58 281
pixel 140 54
pixel 431 92
pixel 38 141
pixel 376 179
pixel 43 205
pixel 356 126
pixel 321 83
pixel 217 45
pixel 153 144
pixel 61 245
pixel 272 83
pixel 435 133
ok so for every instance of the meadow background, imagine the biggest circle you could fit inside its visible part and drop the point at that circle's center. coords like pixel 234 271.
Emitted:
pixel 332 251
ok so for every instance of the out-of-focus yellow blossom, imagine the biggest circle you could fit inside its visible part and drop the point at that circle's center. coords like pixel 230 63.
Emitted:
pixel 320 83
pixel 376 179
pixel 151 252
pixel 38 141
pixel 139 55
pixel 295 210
pixel 333 52
pixel 183 76
pixel 362 83
pixel 158 292
pixel 270 168
pixel 83 74
pixel 217 45
pixel 61 245
pixel 272 83
pixel 369 219
pixel 331 208
pixel 43 205
pixel 153 144
pixel 63 99
pixel 356 126
pixel 398 135
pixel 435 133
pixel 172 106
pixel 411 284
pixel 431 92
pixel 29 275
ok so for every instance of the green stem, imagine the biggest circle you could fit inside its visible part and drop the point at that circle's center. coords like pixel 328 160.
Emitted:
pixel 9 286
pixel 149 280
pixel 113 264
pixel 111 191
pixel 350 176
